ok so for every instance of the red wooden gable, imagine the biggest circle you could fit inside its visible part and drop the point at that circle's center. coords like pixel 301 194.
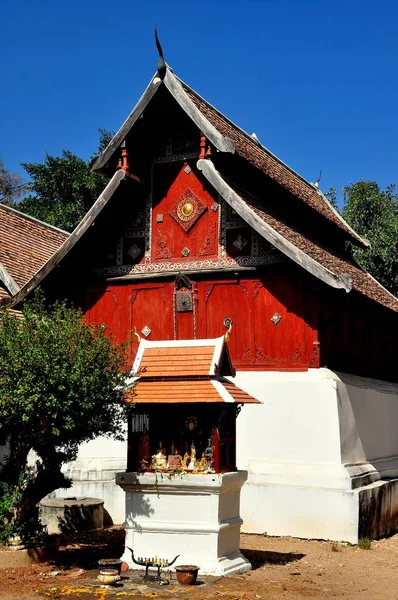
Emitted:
pixel 184 216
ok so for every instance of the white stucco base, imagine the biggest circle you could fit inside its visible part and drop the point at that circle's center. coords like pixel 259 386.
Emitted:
pixel 195 516
pixel 321 453
pixel 93 476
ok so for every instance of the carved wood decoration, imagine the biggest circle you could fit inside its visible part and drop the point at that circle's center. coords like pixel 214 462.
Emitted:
pixel 189 228
pixel 186 309
pixel 182 224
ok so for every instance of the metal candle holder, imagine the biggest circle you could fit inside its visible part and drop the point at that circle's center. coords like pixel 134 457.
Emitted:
pixel 154 563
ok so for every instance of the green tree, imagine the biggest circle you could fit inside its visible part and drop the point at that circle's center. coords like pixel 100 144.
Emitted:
pixel 63 188
pixel 60 385
pixel 12 186
pixel 373 213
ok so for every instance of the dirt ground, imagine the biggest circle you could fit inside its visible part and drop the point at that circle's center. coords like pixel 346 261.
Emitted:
pixel 283 568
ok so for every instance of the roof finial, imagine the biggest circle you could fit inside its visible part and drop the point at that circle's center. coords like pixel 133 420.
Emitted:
pixel 318 181
pixel 227 323
pixel 161 63
pixel 135 333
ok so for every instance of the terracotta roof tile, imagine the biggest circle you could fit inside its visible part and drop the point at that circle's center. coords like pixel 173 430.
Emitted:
pixel 178 361
pixel 26 243
pixel 237 394
pixel 187 390
pixel 362 281
pixel 272 166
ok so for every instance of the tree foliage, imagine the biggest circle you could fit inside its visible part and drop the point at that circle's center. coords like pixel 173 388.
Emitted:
pixel 373 213
pixel 63 188
pixel 12 186
pixel 60 385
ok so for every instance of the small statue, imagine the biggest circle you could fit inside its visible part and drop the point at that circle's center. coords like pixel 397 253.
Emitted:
pixel 184 461
pixel 202 466
pixel 193 463
pixel 145 448
pixel 159 460
pixel 145 464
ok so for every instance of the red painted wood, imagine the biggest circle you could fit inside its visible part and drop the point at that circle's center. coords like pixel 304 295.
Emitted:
pixel 110 307
pixel 255 342
pixel 219 300
pixel 283 342
pixel 152 306
pixel 168 237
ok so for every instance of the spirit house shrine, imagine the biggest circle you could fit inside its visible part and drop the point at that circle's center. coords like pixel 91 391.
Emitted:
pixel 200 225
pixel 181 455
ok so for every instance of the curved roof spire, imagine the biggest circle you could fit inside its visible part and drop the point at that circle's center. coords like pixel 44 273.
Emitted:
pixel 162 67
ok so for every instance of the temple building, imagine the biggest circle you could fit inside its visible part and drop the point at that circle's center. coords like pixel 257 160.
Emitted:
pixel 201 225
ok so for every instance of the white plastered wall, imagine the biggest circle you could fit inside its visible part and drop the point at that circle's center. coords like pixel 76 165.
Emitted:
pixel 317 442
pixel 93 475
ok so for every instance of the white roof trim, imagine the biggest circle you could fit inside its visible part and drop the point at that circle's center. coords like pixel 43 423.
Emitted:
pixel 218 344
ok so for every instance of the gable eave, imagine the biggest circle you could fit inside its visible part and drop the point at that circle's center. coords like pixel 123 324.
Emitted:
pixel 72 240
pixel 8 280
pixel 340 281
pixel 176 89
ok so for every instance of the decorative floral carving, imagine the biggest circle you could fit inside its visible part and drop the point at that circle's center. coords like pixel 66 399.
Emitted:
pixel 187 210
pixel 208 290
pixel 244 286
pixel 259 353
pixel 296 354
pixel 134 251
pixel 240 242
pixel 247 354
pixel 314 359
pixel 161 247
pixel 257 285
pixel 210 245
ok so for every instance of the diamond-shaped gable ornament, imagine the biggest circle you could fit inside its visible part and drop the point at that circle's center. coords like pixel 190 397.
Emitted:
pixel 187 210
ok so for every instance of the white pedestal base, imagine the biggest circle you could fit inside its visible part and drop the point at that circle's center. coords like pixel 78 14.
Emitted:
pixel 195 516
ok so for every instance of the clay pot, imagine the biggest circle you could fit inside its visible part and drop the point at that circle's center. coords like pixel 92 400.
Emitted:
pixel 110 563
pixel 187 574
pixel 108 576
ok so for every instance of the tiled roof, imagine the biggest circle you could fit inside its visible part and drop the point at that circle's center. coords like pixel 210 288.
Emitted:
pixel 187 390
pixel 268 163
pixel 176 361
pixel 176 371
pixel 362 281
pixel 26 243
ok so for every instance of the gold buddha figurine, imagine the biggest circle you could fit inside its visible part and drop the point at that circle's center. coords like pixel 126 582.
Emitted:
pixel 159 460
pixel 193 462
pixel 185 461
pixel 202 465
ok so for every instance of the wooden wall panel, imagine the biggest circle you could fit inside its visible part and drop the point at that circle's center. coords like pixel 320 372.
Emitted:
pixel 256 341
pixel 216 302
pixel 152 307
pixel 279 333
pixel 110 307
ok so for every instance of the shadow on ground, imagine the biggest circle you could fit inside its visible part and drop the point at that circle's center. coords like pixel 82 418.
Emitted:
pixel 258 558
pixel 84 549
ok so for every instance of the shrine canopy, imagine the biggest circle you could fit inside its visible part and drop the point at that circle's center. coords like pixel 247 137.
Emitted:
pixel 184 371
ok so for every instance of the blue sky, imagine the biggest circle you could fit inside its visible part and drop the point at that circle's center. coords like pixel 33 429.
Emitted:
pixel 316 81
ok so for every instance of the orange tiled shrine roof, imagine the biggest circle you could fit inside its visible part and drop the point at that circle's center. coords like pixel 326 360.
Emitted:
pixel 184 371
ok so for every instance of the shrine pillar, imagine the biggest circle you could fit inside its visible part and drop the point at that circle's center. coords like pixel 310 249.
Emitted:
pixel 193 516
